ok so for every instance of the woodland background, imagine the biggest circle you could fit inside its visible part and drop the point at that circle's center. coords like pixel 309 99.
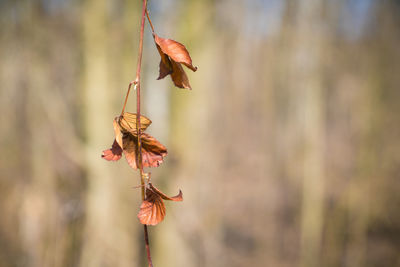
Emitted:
pixel 287 149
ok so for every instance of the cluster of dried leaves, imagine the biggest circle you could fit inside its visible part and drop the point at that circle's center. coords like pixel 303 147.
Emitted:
pixel 126 140
pixel 152 152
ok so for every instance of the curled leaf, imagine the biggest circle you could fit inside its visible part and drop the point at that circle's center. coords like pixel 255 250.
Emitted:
pixel 175 50
pixel 153 151
pixel 152 210
pixel 173 54
pixel 178 197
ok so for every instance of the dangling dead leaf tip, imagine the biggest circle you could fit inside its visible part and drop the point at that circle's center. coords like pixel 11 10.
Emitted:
pixel 179 197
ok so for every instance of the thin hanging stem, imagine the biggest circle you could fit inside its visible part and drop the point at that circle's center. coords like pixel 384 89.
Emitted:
pixel 146 239
pixel 148 18
pixel 137 80
pixel 138 124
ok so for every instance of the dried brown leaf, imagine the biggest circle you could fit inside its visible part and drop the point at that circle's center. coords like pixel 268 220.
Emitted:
pixel 127 122
pixel 173 54
pixel 175 50
pixel 114 153
pixel 152 210
pixel 153 151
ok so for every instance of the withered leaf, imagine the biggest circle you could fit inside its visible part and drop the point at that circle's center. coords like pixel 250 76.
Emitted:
pixel 152 210
pixel 127 123
pixel 114 153
pixel 173 54
pixel 175 50
pixel 128 120
pixel 153 151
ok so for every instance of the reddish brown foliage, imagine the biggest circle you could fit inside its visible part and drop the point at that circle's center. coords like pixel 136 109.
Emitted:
pixel 152 210
pixel 126 135
pixel 153 151
pixel 173 54
pixel 114 153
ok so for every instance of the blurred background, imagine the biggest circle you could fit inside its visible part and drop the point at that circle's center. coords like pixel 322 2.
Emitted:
pixel 287 149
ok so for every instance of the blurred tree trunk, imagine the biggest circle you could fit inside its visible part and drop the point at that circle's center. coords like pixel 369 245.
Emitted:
pixel 42 229
pixel 308 91
pixel 111 225
pixel 97 234
pixel 373 153
pixel 107 237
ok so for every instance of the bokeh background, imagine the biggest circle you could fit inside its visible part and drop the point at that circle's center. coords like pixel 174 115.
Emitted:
pixel 287 149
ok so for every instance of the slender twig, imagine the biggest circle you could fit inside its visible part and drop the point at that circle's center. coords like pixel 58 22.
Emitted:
pixel 148 18
pixel 138 125
pixel 127 94
pixel 138 122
